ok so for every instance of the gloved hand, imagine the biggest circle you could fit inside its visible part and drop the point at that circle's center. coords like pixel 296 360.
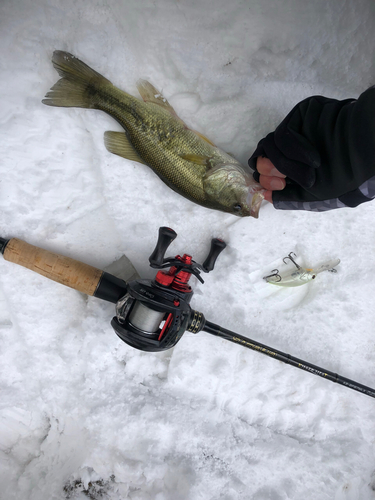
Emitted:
pixel 322 155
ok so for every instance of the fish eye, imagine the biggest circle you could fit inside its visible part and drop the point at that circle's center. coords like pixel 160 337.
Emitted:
pixel 237 207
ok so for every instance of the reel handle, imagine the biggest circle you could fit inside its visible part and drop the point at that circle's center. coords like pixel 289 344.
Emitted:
pixel 65 270
pixel 217 246
pixel 166 236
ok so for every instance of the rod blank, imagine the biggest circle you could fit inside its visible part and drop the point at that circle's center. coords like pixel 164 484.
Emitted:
pixel 286 358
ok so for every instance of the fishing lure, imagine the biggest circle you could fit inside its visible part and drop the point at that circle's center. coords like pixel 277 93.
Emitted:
pixel 300 275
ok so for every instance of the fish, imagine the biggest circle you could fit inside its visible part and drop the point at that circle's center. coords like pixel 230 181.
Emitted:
pixel 154 135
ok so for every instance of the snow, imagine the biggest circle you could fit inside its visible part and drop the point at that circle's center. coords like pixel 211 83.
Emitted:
pixel 82 415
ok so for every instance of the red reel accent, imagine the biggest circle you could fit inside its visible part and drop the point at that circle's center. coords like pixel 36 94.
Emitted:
pixel 178 282
pixel 164 278
pixel 167 324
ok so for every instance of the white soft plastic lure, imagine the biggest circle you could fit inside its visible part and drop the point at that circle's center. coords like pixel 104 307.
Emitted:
pixel 300 275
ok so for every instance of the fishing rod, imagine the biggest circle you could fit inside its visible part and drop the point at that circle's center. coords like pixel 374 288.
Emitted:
pixel 152 315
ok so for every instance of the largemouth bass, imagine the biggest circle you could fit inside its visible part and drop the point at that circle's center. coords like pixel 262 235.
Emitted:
pixel 184 159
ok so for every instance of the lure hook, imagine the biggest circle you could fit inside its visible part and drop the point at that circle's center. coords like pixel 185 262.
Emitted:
pixel 291 258
pixel 274 273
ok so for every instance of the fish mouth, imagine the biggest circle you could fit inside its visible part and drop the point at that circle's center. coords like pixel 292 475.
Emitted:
pixel 254 201
pixel 254 195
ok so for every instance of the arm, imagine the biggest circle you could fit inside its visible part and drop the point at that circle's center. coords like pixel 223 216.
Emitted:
pixel 326 150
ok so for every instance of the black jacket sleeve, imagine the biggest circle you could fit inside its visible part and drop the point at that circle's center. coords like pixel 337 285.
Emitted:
pixel 326 148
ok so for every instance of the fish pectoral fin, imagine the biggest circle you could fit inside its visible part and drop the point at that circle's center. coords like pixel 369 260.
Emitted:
pixel 119 144
pixel 198 159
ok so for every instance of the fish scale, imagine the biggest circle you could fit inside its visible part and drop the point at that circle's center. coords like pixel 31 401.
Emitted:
pixel 154 135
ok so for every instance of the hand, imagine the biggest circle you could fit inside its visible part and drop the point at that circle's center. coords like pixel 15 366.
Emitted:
pixel 270 178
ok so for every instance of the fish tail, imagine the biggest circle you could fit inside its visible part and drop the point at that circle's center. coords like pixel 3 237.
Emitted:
pixel 78 85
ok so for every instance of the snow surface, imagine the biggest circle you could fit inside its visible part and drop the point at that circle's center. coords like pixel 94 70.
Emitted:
pixel 82 415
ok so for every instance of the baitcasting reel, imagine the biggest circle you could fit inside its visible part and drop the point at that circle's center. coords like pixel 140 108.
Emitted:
pixel 154 314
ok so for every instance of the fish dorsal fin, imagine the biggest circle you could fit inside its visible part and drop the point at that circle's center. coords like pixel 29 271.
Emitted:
pixel 150 94
pixel 119 144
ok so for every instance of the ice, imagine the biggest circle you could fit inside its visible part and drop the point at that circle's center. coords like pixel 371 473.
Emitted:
pixel 83 415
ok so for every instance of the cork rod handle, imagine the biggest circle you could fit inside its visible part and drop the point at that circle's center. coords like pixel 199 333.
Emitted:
pixel 64 270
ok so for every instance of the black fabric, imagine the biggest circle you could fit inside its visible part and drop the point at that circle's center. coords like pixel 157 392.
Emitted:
pixel 325 147
pixel 354 198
